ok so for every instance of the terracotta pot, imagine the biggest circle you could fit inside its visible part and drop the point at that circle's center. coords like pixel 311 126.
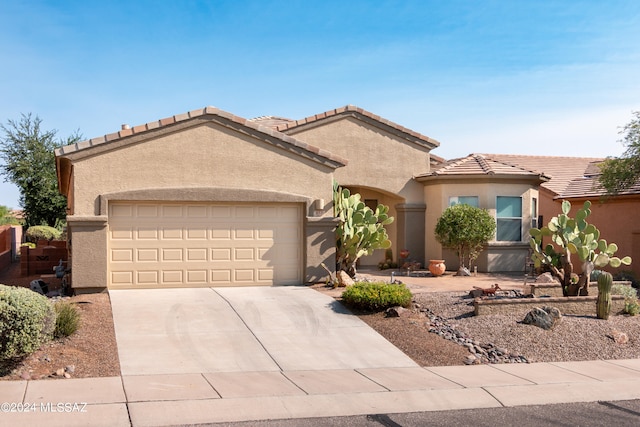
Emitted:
pixel 437 267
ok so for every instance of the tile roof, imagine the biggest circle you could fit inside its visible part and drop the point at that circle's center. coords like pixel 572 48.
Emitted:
pixel 270 121
pixel 480 164
pixel 222 117
pixel 561 170
pixel 352 110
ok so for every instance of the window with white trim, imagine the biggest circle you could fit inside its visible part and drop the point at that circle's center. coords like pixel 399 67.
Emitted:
pixel 509 219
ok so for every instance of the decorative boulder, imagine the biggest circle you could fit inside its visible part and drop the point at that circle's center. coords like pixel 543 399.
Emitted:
pixel 545 317
pixel 344 279
pixel 397 312
pixel 546 278
pixel 619 337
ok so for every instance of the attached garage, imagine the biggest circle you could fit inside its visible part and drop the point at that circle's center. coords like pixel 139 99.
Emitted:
pixel 200 199
pixel 200 244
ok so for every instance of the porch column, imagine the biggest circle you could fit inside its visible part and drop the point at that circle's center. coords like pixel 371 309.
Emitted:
pixel 410 230
pixel 320 247
pixel 89 266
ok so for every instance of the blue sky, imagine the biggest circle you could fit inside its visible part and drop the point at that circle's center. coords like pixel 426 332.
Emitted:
pixel 525 77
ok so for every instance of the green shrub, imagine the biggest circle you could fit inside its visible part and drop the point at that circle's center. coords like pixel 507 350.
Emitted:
pixel 27 320
pixel 631 304
pixel 376 296
pixel 67 319
pixel 42 232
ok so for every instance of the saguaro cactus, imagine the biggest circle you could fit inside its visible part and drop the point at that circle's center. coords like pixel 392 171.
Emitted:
pixel 573 236
pixel 361 230
pixel 603 304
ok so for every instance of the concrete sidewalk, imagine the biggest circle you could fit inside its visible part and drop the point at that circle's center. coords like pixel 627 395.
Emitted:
pixel 192 356
pixel 164 400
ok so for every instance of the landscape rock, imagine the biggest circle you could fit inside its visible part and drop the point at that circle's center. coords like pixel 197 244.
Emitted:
pixel 546 278
pixel 344 279
pixel 397 312
pixel 619 337
pixel 545 317
pixel 60 372
pixel 475 293
pixel 480 352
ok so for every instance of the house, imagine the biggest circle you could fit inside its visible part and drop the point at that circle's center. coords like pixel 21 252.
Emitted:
pixel 207 198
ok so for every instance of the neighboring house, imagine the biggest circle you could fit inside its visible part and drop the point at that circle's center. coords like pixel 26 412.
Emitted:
pixel 576 179
pixel 207 198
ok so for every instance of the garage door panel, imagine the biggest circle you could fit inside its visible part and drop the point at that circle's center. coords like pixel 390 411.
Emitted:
pixel 148 277
pixel 147 255
pixel 172 277
pixel 171 254
pixel 204 244
pixel 122 255
pixel 147 211
pixel 172 233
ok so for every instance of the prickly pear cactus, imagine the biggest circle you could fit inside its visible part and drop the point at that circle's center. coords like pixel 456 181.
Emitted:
pixel 360 231
pixel 573 236
pixel 603 304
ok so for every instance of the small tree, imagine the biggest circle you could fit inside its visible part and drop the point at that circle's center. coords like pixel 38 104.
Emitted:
pixel 360 231
pixel 6 218
pixel 573 236
pixel 29 163
pixel 618 174
pixel 465 229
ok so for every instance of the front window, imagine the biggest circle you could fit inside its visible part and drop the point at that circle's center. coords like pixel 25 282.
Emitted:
pixel 534 213
pixel 509 219
pixel 464 200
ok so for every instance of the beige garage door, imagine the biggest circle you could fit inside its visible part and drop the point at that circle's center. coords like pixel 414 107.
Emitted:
pixel 178 245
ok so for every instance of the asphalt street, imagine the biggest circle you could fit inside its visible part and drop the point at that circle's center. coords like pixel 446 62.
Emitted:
pixel 594 414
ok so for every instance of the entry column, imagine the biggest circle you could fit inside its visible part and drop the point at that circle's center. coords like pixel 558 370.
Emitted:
pixel 411 229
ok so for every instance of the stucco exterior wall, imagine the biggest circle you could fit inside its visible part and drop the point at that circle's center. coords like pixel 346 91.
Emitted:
pixel 204 156
pixel 497 256
pixel 617 220
pixel 377 159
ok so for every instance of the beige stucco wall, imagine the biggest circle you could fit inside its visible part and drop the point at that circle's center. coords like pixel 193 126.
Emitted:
pixel 206 162
pixel 204 156
pixel 381 166
pixel 377 159
pixel 498 256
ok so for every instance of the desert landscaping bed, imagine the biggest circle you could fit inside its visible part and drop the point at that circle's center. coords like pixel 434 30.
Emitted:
pixel 92 351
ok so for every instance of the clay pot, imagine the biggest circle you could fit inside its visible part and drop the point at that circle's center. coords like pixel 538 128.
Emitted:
pixel 437 267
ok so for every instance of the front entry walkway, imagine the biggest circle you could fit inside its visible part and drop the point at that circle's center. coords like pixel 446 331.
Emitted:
pixel 248 329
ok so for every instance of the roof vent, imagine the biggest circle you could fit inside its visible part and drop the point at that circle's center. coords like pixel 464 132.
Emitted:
pixel 125 126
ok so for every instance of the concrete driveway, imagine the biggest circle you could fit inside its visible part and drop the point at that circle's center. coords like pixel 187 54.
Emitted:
pixel 199 330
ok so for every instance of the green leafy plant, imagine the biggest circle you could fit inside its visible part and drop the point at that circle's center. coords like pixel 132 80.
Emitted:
pixel 28 161
pixel 376 296
pixel 27 321
pixel 465 229
pixel 361 229
pixel 42 232
pixel 573 236
pixel 630 294
pixel 67 319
